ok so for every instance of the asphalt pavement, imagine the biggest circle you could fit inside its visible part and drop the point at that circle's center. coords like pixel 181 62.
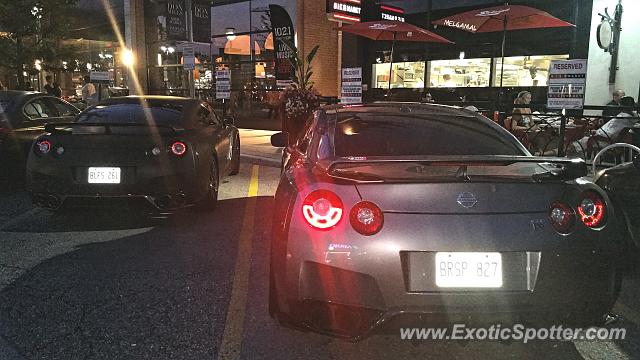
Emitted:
pixel 119 285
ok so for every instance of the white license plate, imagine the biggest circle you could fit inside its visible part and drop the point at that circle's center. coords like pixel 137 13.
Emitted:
pixel 468 270
pixel 104 175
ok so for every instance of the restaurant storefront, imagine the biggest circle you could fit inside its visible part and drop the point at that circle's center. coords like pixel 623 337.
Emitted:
pixel 472 66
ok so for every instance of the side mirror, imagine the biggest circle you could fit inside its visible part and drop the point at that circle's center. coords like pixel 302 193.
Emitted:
pixel 279 139
pixel 228 120
pixel 50 128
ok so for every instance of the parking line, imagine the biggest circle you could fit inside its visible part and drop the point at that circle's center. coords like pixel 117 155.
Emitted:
pixel 231 343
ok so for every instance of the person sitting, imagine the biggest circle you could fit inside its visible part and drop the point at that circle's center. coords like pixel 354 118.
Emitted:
pixel 610 132
pixel 520 119
pixel 612 106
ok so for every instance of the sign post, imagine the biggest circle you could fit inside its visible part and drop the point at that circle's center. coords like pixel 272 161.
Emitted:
pixel 100 78
pixel 351 86
pixel 223 87
pixel 567 85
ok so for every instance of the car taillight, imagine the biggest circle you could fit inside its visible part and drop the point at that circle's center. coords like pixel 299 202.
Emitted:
pixel 366 218
pixel 178 148
pixel 43 147
pixel 322 209
pixel 562 217
pixel 592 209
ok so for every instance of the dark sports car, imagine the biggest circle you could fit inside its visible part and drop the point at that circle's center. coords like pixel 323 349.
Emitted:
pixel 23 115
pixel 391 213
pixel 622 184
pixel 167 152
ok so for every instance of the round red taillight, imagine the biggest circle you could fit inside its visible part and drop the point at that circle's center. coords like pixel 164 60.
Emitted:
pixel 562 217
pixel 322 209
pixel 592 209
pixel 178 148
pixel 43 146
pixel 366 218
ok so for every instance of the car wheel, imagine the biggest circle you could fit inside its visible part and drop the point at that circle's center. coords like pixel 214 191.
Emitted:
pixel 210 200
pixel 235 157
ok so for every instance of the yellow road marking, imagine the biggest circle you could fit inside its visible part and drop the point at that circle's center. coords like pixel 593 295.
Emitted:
pixel 234 326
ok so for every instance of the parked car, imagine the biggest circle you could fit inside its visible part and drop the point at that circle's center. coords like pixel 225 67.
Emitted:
pixel 23 115
pixel 622 184
pixel 399 212
pixel 167 152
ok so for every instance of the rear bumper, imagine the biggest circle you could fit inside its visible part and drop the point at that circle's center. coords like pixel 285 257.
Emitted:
pixel 349 304
pixel 160 190
pixel 346 285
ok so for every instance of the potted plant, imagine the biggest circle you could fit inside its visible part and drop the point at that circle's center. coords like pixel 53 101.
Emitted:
pixel 300 99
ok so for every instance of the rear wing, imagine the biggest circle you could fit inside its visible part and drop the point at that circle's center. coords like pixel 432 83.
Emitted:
pixel 53 127
pixel 557 168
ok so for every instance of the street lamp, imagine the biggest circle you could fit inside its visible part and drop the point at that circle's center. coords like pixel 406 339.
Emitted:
pixel 127 57
pixel 230 33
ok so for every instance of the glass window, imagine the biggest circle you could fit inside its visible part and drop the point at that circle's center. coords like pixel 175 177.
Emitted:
pixel 405 75
pixel 460 73
pixel 525 70
pixel 63 109
pixel 38 109
pixel 204 116
pixel 375 134
pixel 161 114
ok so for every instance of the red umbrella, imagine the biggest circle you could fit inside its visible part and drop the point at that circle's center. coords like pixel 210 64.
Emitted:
pixel 502 18
pixel 392 30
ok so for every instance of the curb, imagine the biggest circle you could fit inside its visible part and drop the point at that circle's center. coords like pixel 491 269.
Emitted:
pixel 261 160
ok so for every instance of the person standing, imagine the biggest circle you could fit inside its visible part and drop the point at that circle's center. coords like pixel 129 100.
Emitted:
pixel 48 87
pixel 612 106
pixel 89 94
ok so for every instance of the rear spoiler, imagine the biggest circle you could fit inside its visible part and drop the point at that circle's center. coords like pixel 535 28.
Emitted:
pixel 558 167
pixel 53 127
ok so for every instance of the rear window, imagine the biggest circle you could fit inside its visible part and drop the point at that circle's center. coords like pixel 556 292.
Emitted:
pixel 152 114
pixel 371 134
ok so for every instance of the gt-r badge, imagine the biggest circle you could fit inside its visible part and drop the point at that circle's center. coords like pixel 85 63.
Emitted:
pixel 467 200
pixel 537 225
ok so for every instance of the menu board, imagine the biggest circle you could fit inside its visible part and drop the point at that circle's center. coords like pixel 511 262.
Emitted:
pixel 351 86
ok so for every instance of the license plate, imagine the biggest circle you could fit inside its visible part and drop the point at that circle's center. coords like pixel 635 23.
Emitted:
pixel 104 175
pixel 468 270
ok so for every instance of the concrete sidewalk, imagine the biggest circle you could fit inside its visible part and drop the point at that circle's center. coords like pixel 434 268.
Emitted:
pixel 255 147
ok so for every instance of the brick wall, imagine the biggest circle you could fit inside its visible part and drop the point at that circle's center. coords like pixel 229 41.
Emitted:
pixel 314 29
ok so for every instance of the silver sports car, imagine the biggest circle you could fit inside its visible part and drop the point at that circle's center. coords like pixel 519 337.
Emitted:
pixel 411 212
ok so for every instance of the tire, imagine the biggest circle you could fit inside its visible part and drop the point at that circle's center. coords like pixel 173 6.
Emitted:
pixel 235 157
pixel 210 200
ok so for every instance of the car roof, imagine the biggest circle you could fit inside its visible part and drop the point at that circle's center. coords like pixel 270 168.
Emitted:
pixel 404 107
pixel 133 99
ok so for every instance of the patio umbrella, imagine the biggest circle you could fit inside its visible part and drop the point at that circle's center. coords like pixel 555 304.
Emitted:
pixel 502 18
pixel 391 30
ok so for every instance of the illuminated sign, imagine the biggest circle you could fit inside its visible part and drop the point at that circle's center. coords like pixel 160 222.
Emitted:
pixel 391 13
pixel 347 11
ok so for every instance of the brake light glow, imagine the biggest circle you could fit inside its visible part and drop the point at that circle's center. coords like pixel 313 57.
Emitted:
pixel 592 209
pixel 322 209
pixel 179 148
pixel 43 146
pixel 366 218
pixel 562 217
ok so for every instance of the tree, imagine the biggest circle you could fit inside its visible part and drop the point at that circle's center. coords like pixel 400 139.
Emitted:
pixel 33 29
